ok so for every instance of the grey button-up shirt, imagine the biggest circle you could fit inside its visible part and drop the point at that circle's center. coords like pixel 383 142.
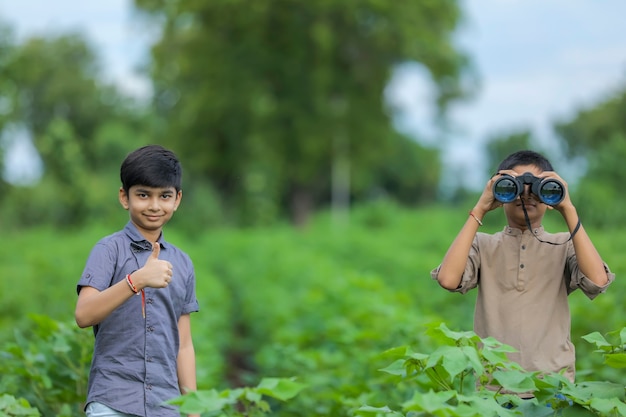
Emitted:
pixel 134 363
pixel 523 286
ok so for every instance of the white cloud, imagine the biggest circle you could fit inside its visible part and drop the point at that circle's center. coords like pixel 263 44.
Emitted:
pixel 109 26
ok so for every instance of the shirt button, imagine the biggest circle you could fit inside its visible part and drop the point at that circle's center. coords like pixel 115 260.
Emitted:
pixel 523 247
pixel 522 266
pixel 150 328
pixel 149 387
pixel 149 301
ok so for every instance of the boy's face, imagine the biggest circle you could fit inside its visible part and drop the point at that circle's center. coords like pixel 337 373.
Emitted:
pixel 150 208
pixel 535 208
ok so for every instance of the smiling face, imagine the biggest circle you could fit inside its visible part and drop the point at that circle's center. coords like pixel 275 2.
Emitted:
pixel 150 208
pixel 535 208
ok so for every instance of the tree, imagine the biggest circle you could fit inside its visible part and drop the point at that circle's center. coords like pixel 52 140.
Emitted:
pixel 597 135
pixel 501 146
pixel 51 89
pixel 272 97
pixel 595 126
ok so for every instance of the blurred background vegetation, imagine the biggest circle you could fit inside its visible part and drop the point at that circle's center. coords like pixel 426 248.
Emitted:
pixel 313 223
pixel 277 113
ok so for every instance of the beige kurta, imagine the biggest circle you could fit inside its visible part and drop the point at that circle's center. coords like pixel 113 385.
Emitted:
pixel 523 286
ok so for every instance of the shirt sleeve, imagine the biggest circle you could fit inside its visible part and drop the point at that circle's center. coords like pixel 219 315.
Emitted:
pixel 471 274
pixel 579 280
pixel 191 302
pixel 99 268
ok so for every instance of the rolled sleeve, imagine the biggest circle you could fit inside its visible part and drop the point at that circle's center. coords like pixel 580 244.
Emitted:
pixel 587 286
pixel 469 280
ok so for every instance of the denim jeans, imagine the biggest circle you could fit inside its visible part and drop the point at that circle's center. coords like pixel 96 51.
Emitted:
pixel 95 409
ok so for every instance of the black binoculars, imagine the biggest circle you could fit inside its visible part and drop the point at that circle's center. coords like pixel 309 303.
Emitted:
pixel 549 191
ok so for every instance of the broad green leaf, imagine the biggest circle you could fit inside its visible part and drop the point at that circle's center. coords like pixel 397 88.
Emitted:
pixel 516 381
pixel 280 388
pixel 11 406
pixel 454 362
pixel 202 401
pixel 585 391
pixel 615 360
pixel 611 406
pixel 456 336
pixel 396 368
pixel 474 360
pixel 430 401
pixel 597 339
pixel 575 411
pixel 485 407
pixel 396 352
pixel 378 410
pixel 497 346
pixel 617 338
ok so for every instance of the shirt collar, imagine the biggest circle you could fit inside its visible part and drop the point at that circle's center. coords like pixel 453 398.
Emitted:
pixel 538 231
pixel 138 243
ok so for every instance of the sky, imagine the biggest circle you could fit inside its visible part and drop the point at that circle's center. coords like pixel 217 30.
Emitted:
pixel 538 61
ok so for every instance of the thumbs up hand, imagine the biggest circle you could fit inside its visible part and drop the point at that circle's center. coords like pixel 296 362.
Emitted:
pixel 156 273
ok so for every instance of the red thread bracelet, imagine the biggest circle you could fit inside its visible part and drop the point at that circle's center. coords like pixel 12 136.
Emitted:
pixel 480 223
pixel 136 291
pixel 131 285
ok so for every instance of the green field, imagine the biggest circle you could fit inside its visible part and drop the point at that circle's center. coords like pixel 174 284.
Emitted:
pixel 318 304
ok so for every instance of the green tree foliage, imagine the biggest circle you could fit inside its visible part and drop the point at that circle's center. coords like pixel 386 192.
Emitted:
pixel 51 89
pixel 270 98
pixel 597 135
pixel 7 92
pixel 501 146
pixel 410 174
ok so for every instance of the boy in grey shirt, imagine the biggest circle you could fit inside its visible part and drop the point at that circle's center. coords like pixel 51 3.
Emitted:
pixel 137 291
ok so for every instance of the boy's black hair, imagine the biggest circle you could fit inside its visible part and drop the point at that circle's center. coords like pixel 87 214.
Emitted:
pixel 152 166
pixel 526 158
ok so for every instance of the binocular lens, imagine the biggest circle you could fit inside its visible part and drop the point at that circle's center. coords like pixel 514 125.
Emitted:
pixel 551 192
pixel 505 190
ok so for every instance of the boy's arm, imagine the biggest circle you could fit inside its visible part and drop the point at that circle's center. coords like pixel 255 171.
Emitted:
pixel 453 264
pixel 589 260
pixel 93 305
pixel 186 361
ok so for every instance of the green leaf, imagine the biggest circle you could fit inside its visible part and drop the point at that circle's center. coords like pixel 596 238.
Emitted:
pixel 203 401
pixel 483 407
pixel 514 380
pixel 280 388
pixel 396 368
pixel 430 402
pixel 11 406
pixel 366 409
pixel 611 406
pixel 616 360
pixel 456 336
pixel 585 391
pixel 597 339
pixel 474 359
pixel 617 338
